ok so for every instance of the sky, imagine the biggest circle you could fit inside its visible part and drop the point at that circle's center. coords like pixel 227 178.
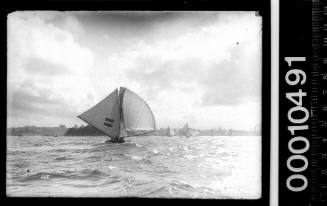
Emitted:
pixel 201 68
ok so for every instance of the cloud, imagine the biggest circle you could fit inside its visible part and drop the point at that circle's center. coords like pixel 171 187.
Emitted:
pixel 43 58
pixel 67 21
pixel 226 69
pixel 188 66
pixel 31 37
pixel 44 67
pixel 25 103
pixel 233 81
pixel 214 69
pixel 28 100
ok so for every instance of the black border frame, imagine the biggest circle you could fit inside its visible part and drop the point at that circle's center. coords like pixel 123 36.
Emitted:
pixel 298 38
pixel 263 6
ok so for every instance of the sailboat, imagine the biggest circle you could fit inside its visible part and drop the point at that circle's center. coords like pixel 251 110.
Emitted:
pixel 121 114
pixel 185 131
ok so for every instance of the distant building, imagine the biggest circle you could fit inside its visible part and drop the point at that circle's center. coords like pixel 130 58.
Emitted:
pixel 168 131
pixel 164 132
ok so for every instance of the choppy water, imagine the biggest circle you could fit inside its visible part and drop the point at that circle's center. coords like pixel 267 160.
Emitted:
pixel 182 167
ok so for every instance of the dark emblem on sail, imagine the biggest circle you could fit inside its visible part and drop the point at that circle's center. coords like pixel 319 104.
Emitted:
pixel 108 122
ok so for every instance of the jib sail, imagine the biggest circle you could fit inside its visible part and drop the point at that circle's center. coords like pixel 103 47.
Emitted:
pixel 105 115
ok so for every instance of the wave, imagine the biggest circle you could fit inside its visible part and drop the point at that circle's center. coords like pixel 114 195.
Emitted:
pixel 96 173
pixel 147 161
pixel 80 150
pixel 138 145
pixel 111 167
pixel 190 157
pixel 184 148
pixel 171 189
pixel 172 149
pixel 73 149
pixel 96 157
pixel 66 175
pixel 99 144
pixel 183 189
pixel 37 144
pixel 115 182
pixel 63 158
pixel 224 154
pixel 43 176
pixel 134 157
pixel 127 182
pixel 103 147
pixel 156 152
pixel 21 152
pixel 180 186
pixel 72 143
pixel 60 150
pixel 20 165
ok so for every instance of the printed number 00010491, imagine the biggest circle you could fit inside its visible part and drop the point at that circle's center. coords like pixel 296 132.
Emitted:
pixel 297 77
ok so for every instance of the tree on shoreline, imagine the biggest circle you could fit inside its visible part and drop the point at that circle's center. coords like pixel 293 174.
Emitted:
pixel 83 131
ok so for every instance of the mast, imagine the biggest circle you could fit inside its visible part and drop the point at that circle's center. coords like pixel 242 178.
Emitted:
pixel 120 100
pixel 120 112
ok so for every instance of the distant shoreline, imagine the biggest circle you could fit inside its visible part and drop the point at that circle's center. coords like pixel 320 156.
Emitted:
pixel 131 136
pixel 88 130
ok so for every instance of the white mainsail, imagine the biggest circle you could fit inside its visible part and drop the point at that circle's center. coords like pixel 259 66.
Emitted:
pixel 123 113
pixel 137 115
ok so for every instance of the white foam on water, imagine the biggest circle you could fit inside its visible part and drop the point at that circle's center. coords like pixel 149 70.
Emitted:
pixel 112 167
pixel 190 157
pixel 155 151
